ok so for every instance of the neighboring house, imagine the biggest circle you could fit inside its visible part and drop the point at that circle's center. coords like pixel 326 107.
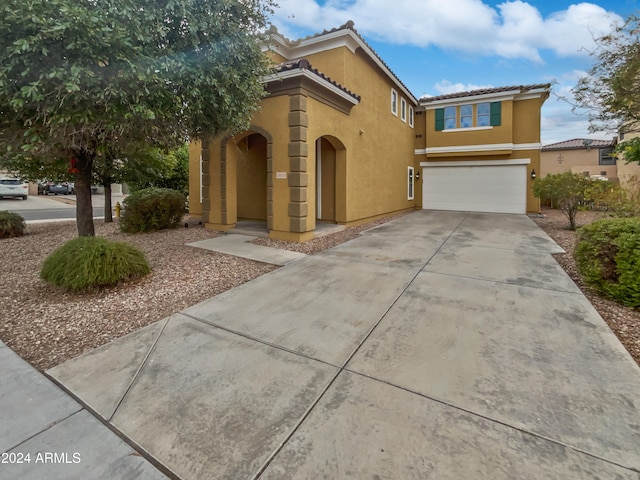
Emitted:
pixel 580 155
pixel 341 139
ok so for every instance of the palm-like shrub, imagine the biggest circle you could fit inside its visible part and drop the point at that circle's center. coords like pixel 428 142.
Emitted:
pixel 11 224
pixel 85 263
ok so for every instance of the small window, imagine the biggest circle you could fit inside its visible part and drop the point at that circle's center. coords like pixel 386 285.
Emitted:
pixel 394 102
pixel 410 183
pixel 449 117
pixel 606 157
pixel 403 109
pixel 483 115
pixel 466 116
pixel 411 117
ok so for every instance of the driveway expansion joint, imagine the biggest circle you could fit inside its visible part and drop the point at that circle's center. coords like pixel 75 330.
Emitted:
pixel 493 420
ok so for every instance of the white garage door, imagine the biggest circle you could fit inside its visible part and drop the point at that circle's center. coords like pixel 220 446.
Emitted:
pixel 486 188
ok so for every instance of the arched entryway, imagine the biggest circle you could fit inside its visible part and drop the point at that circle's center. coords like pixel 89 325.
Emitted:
pixel 251 177
pixel 330 180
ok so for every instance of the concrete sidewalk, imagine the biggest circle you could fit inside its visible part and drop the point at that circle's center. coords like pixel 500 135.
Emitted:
pixel 240 246
pixel 46 434
pixel 440 345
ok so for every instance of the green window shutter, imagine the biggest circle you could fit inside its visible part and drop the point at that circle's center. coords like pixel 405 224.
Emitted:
pixel 495 120
pixel 439 119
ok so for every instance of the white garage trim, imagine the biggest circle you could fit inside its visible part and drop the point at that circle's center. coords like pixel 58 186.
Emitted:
pixel 479 163
pixel 498 186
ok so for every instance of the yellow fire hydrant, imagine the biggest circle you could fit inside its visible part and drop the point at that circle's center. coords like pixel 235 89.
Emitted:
pixel 117 209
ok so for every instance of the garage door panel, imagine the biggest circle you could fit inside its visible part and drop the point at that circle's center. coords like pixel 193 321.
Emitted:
pixel 499 189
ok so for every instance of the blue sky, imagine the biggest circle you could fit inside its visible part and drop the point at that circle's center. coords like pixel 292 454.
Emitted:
pixel 443 46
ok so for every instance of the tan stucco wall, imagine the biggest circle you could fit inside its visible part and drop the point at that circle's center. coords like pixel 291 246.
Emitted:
pixel 576 161
pixel 499 134
pixel 377 158
pixel 526 120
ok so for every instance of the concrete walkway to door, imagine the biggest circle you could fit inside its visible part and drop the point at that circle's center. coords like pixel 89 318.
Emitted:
pixel 441 345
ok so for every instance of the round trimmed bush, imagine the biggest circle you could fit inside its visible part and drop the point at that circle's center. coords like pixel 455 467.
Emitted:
pixel 152 209
pixel 608 258
pixel 11 224
pixel 85 263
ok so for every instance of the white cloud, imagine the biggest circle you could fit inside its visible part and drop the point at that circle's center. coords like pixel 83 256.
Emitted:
pixel 445 87
pixel 515 29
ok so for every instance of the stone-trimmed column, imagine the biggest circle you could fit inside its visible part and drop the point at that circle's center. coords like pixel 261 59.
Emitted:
pixel 298 152
pixel 206 180
pixel 269 183
pixel 223 182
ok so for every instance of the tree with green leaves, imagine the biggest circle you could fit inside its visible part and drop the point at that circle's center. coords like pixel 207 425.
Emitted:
pixel 566 191
pixel 610 93
pixel 83 80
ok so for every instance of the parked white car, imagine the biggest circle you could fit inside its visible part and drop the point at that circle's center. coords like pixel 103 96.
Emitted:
pixel 12 187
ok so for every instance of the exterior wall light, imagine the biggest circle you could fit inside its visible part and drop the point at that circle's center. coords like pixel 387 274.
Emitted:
pixel 418 175
pixel 533 174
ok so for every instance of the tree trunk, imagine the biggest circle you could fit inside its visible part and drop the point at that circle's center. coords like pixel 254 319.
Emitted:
pixel 84 208
pixel 108 210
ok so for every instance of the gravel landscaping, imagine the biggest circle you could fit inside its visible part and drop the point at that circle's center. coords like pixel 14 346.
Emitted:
pixel 46 326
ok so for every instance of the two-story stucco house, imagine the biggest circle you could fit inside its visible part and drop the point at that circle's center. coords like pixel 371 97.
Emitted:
pixel 341 139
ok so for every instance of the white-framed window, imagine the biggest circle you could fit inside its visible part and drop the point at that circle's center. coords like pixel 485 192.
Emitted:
pixel 483 115
pixel 394 102
pixel 450 120
pixel 403 110
pixel 411 113
pixel 466 116
pixel 410 183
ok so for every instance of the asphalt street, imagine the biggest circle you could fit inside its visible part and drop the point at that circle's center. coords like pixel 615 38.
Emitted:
pixel 58 207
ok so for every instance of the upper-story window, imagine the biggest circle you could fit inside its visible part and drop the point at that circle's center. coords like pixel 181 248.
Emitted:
pixel 411 117
pixel 450 120
pixel 394 102
pixel 466 116
pixel 403 109
pixel 483 114
pixel 469 116
pixel 606 157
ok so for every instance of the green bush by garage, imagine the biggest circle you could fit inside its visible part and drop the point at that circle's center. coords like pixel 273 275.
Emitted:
pixel 608 258
pixel 86 263
pixel 11 224
pixel 152 209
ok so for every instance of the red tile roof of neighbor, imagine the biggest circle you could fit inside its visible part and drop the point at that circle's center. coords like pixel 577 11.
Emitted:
pixel 579 143
pixel 303 64
pixel 485 91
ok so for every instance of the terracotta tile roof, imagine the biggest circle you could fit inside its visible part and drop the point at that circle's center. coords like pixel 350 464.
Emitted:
pixel 579 143
pixel 485 91
pixel 303 64
pixel 349 25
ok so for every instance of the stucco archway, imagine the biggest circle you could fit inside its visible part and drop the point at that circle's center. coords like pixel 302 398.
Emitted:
pixel 246 166
pixel 330 179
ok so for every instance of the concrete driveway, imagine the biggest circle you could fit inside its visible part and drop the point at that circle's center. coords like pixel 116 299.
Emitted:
pixel 441 345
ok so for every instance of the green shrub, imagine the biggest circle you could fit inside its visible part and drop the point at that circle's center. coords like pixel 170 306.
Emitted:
pixel 85 263
pixel 152 209
pixel 11 224
pixel 608 258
